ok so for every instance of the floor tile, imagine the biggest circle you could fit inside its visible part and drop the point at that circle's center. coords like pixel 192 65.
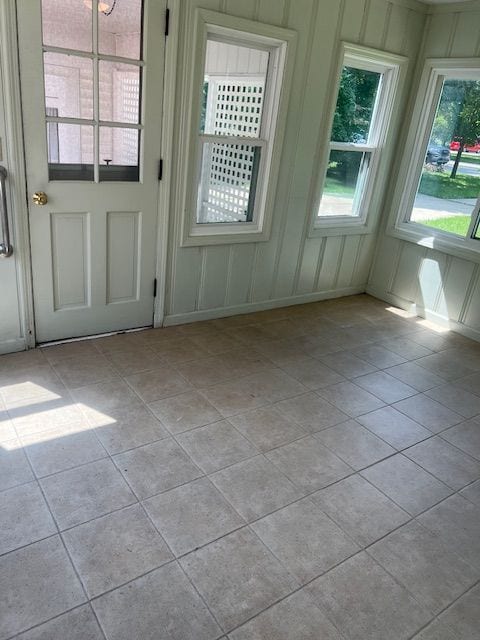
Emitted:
pixel 128 362
pixel 424 565
pixel 448 364
pixel 14 466
pixel 126 427
pixel 464 616
pixel 361 510
pixel 436 631
pixel 58 450
pixel 354 444
pixel 78 372
pixel 309 464
pixel 11 362
pixel 156 467
pixel 415 376
pixel 447 463
pixel 192 515
pixel 44 413
pixel 78 624
pixel 385 387
pixel 80 494
pixel 351 399
pixel 215 343
pixel 311 412
pixel 457 522
pixel 24 516
pixel 30 383
pixel 294 618
pixel 470 383
pixel 347 364
pixel 378 356
pixel 394 427
pixel 115 549
pixel 304 539
pixel 179 350
pixel 237 569
pixel 7 430
pixel 472 492
pixel 58 352
pixel 216 446
pixel 465 436
pixel 185 411
pixel 161 600
pixel 406 348
pixel 360 585
pixel 105 396
pixel 255 487
pixel 429 413
pixel 37 583
pixel 457 399
pixel 267 428
pixel 407 484
pixel 158 384
pixel 312 373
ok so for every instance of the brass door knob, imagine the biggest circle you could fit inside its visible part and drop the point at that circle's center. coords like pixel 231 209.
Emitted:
pixel 40 198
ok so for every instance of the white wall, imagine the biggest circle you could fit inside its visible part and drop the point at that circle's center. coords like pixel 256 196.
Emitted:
pixel 432 283
pixel 220 280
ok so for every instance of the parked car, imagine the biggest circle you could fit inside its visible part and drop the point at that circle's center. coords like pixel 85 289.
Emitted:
pixel 437 154
pixel 471 148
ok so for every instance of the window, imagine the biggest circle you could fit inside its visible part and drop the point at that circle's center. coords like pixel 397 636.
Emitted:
pixel 440 203
pixel 366 89
pixel 241 84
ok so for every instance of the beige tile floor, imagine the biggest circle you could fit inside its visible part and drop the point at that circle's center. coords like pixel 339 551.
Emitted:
pixel 307 473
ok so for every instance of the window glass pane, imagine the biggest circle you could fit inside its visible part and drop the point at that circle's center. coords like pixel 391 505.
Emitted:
pixel 355 105
pixel 233 89
pixel 344 183
pixel 228 181
pixel 68 85
pixel 70 151
pixel 450 182
pixel 119 154
pixel 119 92
pixel 120 28
pixel 67 24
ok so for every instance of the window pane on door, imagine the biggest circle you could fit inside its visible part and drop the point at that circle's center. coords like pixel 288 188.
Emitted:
pixel 228 180
pixel 120 28
pixel 119 92
pixel 67 24
pixel 356 99
pixel 346 175
pixel 119 154
pixel 68 85
pixel 233 89
pixel 70 151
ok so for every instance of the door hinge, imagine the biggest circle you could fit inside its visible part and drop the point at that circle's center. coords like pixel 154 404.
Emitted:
pixel 155 288
pixel 167 21
pixel 160 169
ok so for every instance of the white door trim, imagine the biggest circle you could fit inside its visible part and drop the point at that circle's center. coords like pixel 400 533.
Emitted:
pixel 14 152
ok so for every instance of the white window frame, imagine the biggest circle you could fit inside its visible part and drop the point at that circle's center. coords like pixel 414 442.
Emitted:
pixel 392 68
pixel 436 70
pixel 281 45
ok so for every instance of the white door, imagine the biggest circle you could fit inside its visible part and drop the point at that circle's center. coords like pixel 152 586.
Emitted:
pixel 92 83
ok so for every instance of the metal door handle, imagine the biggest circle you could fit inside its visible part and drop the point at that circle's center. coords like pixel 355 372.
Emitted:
pixel 6 248
pixel 40 198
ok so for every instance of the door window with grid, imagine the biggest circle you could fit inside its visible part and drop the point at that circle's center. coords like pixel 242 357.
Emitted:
pixel 92 78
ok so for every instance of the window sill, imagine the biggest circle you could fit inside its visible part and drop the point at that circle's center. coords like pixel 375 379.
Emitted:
pixel 465 249
pixel 340 226
pixel 215 236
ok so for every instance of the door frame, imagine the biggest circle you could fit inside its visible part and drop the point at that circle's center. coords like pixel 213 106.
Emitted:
pixel 15 152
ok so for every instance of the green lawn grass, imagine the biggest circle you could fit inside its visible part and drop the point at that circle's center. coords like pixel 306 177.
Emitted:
pixel 335 187
pixel 472 158
pixel 454 224
pixel 441 185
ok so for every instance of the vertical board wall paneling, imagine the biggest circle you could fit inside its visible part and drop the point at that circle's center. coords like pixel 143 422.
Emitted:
pixel 442 286
pixel 290 265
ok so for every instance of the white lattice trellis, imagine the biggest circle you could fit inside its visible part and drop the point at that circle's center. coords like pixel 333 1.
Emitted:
pixel 234 108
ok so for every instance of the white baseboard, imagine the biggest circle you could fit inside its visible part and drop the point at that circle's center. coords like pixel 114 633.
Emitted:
pixel 250 307
pixel 428 314
pixel 9 346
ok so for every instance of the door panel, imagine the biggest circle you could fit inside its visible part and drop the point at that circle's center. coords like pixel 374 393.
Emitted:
pixel 92 109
